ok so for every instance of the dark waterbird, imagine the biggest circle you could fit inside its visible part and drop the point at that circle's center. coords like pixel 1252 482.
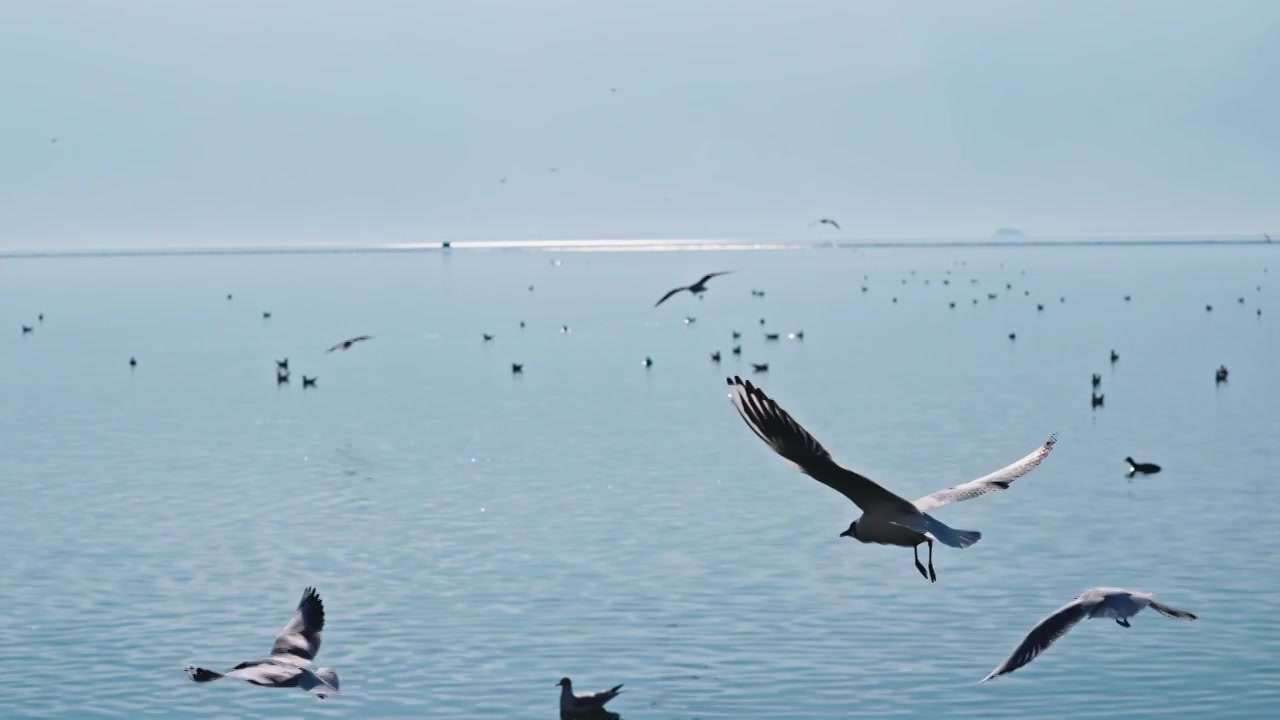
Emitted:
pixel 771 336
pixel 1141 468
pixel 27 329
pixel 517 368
pixel 760 367
pixel 486 336
pixel 1096 400
pixel 1221 375
pixel 736 334
pixel 282 364
pixel 1096 380
pixel 133 362
pixel 715 356
pixel 737 350
pixel 1114 357
pixel 309 381
pixel 648 362
pixel 696 289
pixel 282 377
pixel 266 314
pixel 346 344
pixel 584 704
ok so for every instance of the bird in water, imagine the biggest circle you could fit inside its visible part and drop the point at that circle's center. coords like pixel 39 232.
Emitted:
pixel 309 381
pixel 825 221
pixel 1208 308
pixel 586 703
pixel 648 362
pixel 1221 375
pixel 736 334
pixel 1039 307
pixel 40 317
pixel 689 319
pixel 1096 400
pixel 282 364
pixel 696 289
pixel 291 654
pixel 1013 336
pixel 771 336
pixel 760 367
pixel 133 362
pixel 346 344
pixel 715 356
pixel 1115 603
pixel 737 350
pixel 798 335
pixel 1114 357
pixel 27 329
pixel 486 336
pixel 282 377
pixel 266 314
pixel 1141 468
pixel 887 518
pixel 565 329
pixel 517 368
pixel 1096 380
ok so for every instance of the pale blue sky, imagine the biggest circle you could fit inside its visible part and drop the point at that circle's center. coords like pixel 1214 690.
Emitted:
pixel 260 122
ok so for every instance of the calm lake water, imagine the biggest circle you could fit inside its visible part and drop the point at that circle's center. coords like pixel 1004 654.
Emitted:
pixel 476 535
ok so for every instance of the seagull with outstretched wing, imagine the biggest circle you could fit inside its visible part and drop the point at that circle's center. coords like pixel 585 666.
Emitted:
pixel 825 221
pixel 697 288
pixel 291 654
pixel 346 344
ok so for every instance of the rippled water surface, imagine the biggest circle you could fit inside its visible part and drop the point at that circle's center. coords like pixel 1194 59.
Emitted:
pixel 477 535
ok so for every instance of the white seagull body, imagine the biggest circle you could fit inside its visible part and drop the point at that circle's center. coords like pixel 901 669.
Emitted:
pixel 1116 603
pixel 887 518
pixel 588 703
pixel 294 649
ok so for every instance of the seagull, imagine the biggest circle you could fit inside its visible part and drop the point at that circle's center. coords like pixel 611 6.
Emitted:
pixel 309 381
pixel 1221 375
pixel 27 329
pixel 1096 400
pixel 737 350
pixel 282 377
pixel 697 288
pixel 736 334
pixel 887 518
pixel 689 319
pixel 346 344
pixel 266 314
pixel 591 702
pixel 282 364
pixel 487 337
pixel 517 368
pixel 133 362
pixel 771 336
pixel 1141 468
pixel 294 649
pixel 715 356
pixel 825 221
pixel 796 335
pixel 1114 357
pixel 648 361
pixel 1116 603
pixel 760 367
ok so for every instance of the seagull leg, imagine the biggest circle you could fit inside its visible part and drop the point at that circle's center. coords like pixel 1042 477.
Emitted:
pixel 916 551
pixel 933 576
pixel 1123 622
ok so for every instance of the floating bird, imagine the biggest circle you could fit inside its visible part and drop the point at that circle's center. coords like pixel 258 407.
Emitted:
pixel 282 364
pixel 1096 400
pixel 530 288
pixel 27 329
pixel 761 321
pixel 1208 308
pixel 895 301
pixel 565 330
pixel 346 344
pixel 737 350
pixel 887 519
pixel 760 367
pixel 648 362
pixel 864 288
pixel 798 335
pixel 1114 357
pixel 757 293
pixel 1115 603
pixel 309 381
pixel 771 336
pixel 1240 300
pixel 1221 375
pixel 825 221
pixel 1259 312
pixel 521 324
pixel 689 319
pixel 588 703
pixel 228 296
pixel 487 337
pixel 294 649
pixel 1039 307
pixel 40 317
pixel 266 314
pixel 282 377
pixel 1127 298
pixel 1013 336
pixel 133 362
pixel 1096 380
pixel 715 356
pixel 697 288
pixel 1141 468
pixel 517 368
pixel 951 305
pixel 736 334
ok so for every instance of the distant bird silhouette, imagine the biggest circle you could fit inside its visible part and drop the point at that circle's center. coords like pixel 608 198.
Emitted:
pixel 346 344
pixel 1062 299
pixel 282 377
pixel 1141 468
pixel 689 319
pixel 588 704
pixel 228 296
pixel 27 329
pixel 760 367
pixel 1039 307
pixel 487 337
pixel 697 288
pixel 952 306
pixel 761 321
pixel 1096 400
pixel 1208 308
pixel 736 334
pixel 517 368
pixel 530 288
pixel 799 335
pixel 991 296
pixel 1259 312
pixel 521 324
pixel 771 336
pixel 715 356
pixel 737 350
pixel 895 301
pixel 1013 336
pixel 648 362
pixel 1127 298
pixel 864 288
pixel 757 293
pixel 40 317
pixel 565 329
pixel 1240 300
pixel 133 362
pixel 1114 357
pixel 266 314
pixel 825 221
pixel 1096 380
pixel 282 364
pixel 309 381
pixel 1221 375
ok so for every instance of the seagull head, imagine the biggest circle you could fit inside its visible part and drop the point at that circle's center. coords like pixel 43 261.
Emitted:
pixel 565 683
pixel 852 532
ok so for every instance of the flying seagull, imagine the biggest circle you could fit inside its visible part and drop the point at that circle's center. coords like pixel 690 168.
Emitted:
pixel 1143 468
pixel 346 344
pixel 697 288
pixel 295 647
pixel 825 221
pixel 1116 603
pixel 588 703
pixel 887 519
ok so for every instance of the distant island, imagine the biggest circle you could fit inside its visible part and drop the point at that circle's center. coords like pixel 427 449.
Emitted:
pixel 1010 233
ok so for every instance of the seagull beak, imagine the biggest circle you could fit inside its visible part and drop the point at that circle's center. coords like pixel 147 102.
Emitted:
pixel 845 534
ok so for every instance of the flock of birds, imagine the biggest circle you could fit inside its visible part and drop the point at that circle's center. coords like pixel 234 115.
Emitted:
pixel 886 519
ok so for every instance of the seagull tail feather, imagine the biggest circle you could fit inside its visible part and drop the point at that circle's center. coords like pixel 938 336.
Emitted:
pixel 1172 612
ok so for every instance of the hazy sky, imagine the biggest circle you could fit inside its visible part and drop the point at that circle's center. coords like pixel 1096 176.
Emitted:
pixel 257 121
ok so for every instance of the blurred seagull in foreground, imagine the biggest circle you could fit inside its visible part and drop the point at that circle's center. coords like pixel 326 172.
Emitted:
pixel 1116 603
pixel 887 518
pixel 697 288
pixel 294 649
pixel 586 703
pixel 346 344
